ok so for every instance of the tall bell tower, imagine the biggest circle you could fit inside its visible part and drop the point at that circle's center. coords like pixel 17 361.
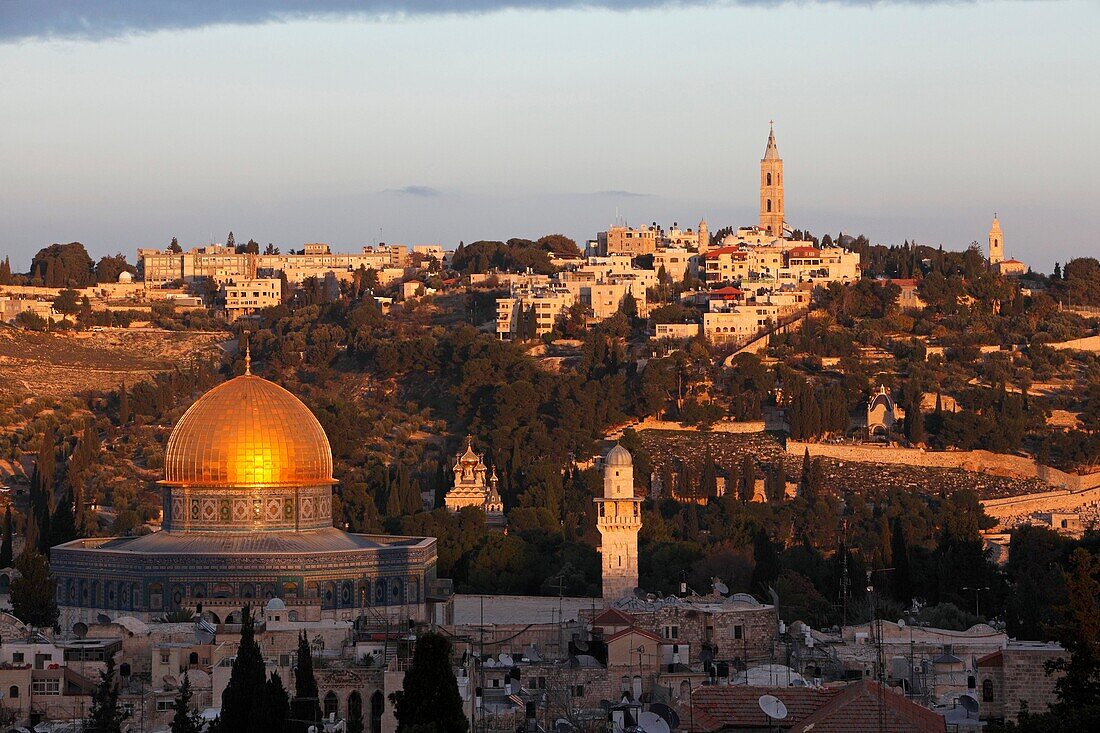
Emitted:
pixel 771 188
pixel 619 521
pixel 996 242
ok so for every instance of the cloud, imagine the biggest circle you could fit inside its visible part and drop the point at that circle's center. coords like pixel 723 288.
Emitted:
pixel 620 194
pixel 102 19
pixel 421 191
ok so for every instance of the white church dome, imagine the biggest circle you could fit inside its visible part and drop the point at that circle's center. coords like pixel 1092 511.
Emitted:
pixel 618 456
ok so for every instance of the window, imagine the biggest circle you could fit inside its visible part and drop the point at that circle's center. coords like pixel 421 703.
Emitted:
pixel 46 687
pixel 577 690
pixel 164 657
pixel 332 704
pixel 164 705
pixel 738 632
pixel 13 692
pixel 769 205
pixel 987 690
pixel 769 179
pixel 17 657
pixel 671 632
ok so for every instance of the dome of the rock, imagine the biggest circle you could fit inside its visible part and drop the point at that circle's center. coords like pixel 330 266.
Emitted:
pixel 248 432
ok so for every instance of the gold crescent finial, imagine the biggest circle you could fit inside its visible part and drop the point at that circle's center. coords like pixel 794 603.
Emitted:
pixel 247 358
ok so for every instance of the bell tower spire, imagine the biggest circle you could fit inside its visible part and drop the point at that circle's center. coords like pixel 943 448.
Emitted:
pixel 771 188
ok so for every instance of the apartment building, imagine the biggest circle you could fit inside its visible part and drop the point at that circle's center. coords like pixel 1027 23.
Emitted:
pixel 247 297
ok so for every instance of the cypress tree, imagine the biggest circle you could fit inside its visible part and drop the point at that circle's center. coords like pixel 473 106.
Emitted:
pixel 276 706
pixel 5 548
pixel 41 492
pixel 185 719
pixel 34 592
pixel 245 696
pixel 106 715
pixel 766 555
pixel 901 581
pixel 429 699
pixel 305 709
pixel 63 522
pixel 748 478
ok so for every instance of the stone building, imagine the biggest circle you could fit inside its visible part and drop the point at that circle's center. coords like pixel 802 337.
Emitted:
pixel 475 485
pixel 1015 674
pixel 619 521
pixel 247 297
pixel 771 189
pixel 247 516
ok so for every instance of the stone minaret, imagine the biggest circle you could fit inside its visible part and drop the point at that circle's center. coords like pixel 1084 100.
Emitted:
pixel 704 236
pixel 619 522
pixel 771 189
pixel 996 242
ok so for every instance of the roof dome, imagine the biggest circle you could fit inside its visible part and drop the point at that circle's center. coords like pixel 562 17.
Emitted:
pixel 275 604
pixel 248 432
pixel 618 456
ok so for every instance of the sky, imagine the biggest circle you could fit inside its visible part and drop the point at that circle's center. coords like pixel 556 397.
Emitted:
pixel 125 123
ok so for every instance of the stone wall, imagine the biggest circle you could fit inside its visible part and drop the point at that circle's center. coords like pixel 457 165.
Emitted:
pixel 1089 343
pixel 722 426
pixel 981 461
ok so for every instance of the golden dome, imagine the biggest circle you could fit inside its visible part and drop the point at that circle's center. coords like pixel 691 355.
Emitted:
pixel 248 432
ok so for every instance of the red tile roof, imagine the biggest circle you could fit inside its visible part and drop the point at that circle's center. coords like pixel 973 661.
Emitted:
pixel 612 617
pixel 867 705
pixel 632 630
pixel 803 252
pixel 728 290
pixel 904 282
pixel 716 253
pixel 858 707
pixel 714 708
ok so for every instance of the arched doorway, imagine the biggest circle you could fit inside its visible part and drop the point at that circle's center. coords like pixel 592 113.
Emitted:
pixel 332 704
pixel 377 707
pixel 355 706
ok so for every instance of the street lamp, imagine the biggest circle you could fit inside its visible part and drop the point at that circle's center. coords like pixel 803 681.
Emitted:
pixel 976 590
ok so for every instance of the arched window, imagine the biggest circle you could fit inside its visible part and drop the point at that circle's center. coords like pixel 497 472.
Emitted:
pixel 769 179
pixel 987 690
pixel 377 707
pixel 13 692
pixel 193 658
pixel 769 205
pixel 332 704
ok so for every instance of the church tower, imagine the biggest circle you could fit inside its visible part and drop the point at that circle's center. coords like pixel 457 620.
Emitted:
pixel 771 189
pixel 704 236
pixel 996 243
pixel 620 520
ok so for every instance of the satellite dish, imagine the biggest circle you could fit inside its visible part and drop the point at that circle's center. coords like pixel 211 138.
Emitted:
pixel 505 660
pixel 651 722
pixel 970 705
pixel 773 707
pixel 80 629
pixel 720 588
pixel 667 714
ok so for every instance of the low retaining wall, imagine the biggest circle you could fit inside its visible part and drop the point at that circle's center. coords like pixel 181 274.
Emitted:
pixel 1046 501
pixel 998 464
pixel 1089 343
pixel 722 426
